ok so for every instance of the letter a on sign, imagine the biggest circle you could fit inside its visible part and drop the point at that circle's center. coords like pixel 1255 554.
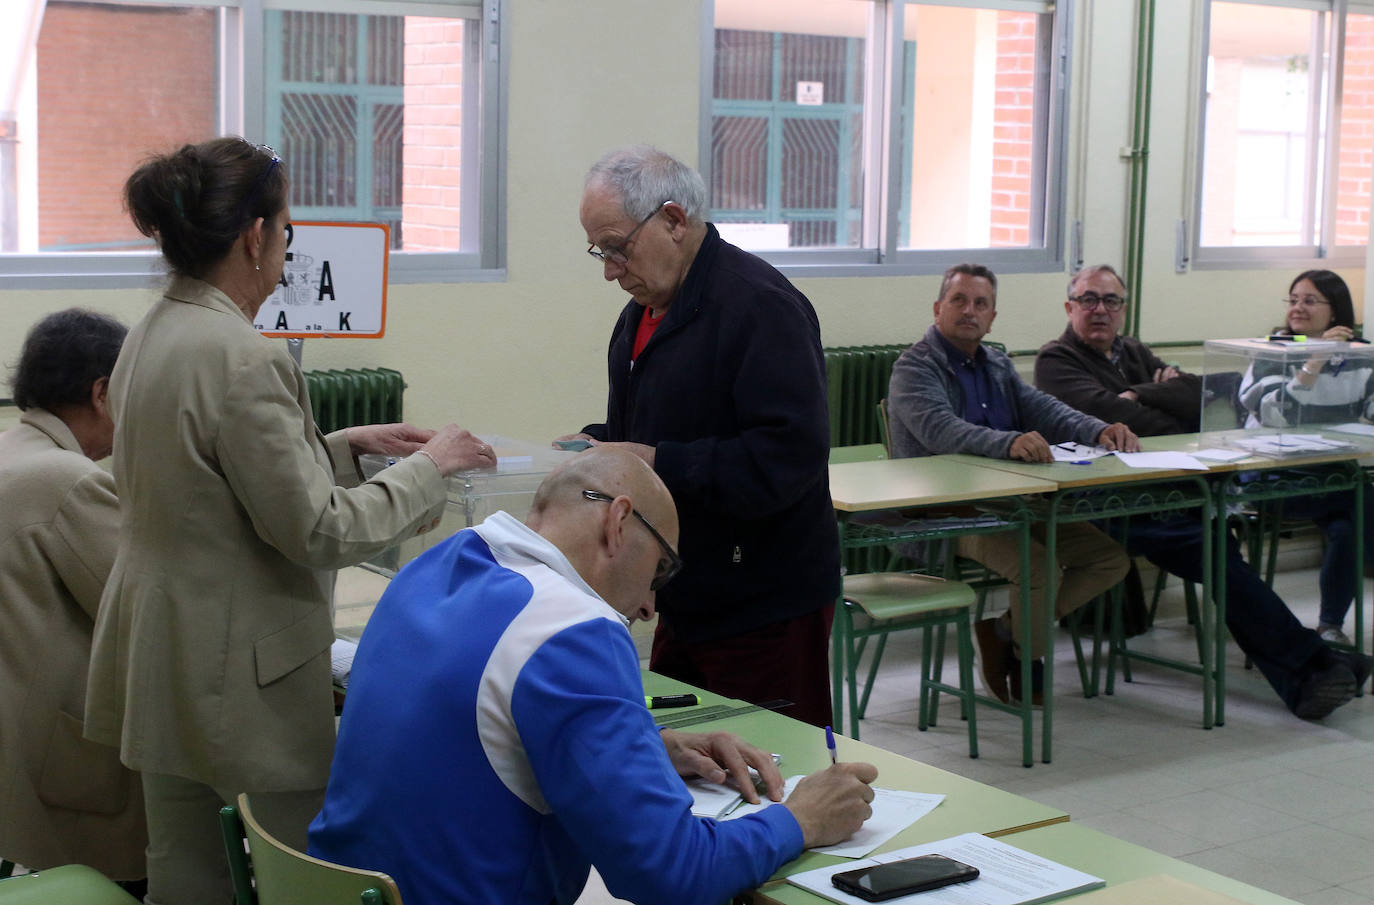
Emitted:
pixel 335 273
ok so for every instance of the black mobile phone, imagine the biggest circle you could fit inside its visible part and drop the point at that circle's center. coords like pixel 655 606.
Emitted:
pixel 900 878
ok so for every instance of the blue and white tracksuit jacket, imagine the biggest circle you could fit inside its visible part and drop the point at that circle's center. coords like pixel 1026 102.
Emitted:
pixel 495 744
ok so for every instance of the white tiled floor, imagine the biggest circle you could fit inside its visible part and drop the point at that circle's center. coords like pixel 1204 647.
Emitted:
pixel 1269 799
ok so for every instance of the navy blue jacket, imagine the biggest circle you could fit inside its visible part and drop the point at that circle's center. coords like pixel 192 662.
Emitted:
pixel 731 392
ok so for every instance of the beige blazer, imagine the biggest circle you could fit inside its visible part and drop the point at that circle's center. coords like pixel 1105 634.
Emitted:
pixel 211 654
pixel 63 799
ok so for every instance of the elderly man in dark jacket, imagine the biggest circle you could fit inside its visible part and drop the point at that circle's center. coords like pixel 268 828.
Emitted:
pixel 718 382
pixel 1095 369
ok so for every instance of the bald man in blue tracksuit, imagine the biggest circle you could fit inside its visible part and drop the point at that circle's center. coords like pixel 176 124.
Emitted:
pixel 495 741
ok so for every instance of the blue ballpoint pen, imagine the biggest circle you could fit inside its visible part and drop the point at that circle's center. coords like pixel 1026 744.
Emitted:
pixel 830 743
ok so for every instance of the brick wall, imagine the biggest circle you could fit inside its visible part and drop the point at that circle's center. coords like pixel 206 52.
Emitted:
pixel 1357 133
pixel 115 83
pixel 432 169
pixel 1013 125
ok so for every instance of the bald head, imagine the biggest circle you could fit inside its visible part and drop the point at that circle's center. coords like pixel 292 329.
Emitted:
pixel 604 540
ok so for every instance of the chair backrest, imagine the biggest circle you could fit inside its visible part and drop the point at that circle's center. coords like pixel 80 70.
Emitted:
pixel 884 428
pixel 281 875
pixel 68 883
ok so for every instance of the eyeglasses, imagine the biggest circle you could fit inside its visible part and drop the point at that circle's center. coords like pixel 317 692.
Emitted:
pixel 259 184
pixel 1090 300
pixel 620 254
pixel 1307 301
pixel 667 567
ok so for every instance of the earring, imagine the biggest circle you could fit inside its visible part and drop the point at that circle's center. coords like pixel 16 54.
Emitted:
pixel 257 267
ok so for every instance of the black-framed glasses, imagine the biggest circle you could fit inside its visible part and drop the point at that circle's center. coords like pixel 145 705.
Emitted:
pixel 620 254
pixel 1307 301
pixel 1090 300
pixel 670 565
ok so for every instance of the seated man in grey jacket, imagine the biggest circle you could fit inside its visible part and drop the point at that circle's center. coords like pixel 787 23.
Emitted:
pixel 950 394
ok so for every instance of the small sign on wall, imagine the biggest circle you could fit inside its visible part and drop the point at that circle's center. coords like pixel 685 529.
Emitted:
pixel 810 94
pixel 333 284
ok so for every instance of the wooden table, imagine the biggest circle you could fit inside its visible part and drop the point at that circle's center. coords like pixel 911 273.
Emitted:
pixel 933 481
pixel 969 806
pixel 1105 474
pixel 1134 875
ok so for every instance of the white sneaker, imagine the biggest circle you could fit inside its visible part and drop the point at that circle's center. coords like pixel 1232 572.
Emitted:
pixel 1332 634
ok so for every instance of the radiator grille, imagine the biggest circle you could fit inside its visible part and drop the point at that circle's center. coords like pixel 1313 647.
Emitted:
pixel 345 398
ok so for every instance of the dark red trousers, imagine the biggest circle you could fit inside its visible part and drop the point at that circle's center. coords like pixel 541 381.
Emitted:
pixel 787 661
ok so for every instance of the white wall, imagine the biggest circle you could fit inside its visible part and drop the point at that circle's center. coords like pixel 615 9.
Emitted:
pixel 526 358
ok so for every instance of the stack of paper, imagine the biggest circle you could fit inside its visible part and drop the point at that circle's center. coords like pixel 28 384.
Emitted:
pixel 893 811
pixel 1007 875
pixel 341 660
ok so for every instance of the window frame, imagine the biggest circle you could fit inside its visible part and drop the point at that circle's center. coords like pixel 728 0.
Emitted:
pixel 242 111
pixel 878 254
pixel 1323 251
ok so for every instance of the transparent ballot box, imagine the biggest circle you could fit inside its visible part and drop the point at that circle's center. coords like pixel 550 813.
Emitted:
pixel 473 495
pixel 1282 398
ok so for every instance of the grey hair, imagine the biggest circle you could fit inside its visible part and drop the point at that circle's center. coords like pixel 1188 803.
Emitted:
pixel 645 177
pixel 1097 268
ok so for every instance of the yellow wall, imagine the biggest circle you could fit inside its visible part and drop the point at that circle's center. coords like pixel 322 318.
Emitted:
pixel 526 358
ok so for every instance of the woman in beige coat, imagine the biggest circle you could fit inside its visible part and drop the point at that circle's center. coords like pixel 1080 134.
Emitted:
pixel 210 667
pixel 63 799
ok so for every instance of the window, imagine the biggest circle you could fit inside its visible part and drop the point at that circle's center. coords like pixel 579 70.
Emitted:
pixel 858 132
pixel 1288 117
pixel 383 111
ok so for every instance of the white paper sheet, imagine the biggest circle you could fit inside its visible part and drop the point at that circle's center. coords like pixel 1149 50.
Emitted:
pixel 1161 460
pixel 1077 452
pixel 1008 875
pixel 1354 427
pixel 341 660
pixel 893 811
pixel 1221 455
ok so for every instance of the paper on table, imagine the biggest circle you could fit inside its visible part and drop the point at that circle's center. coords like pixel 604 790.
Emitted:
pixel 1354 427
pixel 1161 460
pixel 341 660
pixel 1076 452
pixel 1221 455
pixel 893 811
pixel 1007 875
pixel 714 799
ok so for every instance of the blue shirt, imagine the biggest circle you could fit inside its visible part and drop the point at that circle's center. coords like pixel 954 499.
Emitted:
pixel 495 743
pixel 984 404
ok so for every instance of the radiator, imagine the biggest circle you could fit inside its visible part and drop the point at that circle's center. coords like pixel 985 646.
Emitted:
pixel 344 398
pixel 856 378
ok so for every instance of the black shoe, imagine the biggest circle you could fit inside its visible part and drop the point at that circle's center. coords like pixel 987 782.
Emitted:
pixel 994 655
pixel 1360 665
pixel 1325 689
pixel 1037 681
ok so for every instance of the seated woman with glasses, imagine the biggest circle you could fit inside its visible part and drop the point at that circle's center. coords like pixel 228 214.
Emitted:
pixel 1326 388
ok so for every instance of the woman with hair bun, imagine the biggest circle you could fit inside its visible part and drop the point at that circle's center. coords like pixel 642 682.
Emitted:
pixel 210 666
pixel 1326 389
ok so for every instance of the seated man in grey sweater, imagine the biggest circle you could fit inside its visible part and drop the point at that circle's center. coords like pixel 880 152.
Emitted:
pixel 951 394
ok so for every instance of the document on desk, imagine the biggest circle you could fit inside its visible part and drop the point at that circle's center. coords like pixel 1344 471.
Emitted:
pixel 1353 427
pixel 1007 875
pixel 1161 460
pixel 1214 454
pixel 341 660
pixel 893 811
pixel 1077 452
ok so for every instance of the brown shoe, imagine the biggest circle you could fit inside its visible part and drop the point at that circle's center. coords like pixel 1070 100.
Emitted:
pixel 994 656
pixel 1037 681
